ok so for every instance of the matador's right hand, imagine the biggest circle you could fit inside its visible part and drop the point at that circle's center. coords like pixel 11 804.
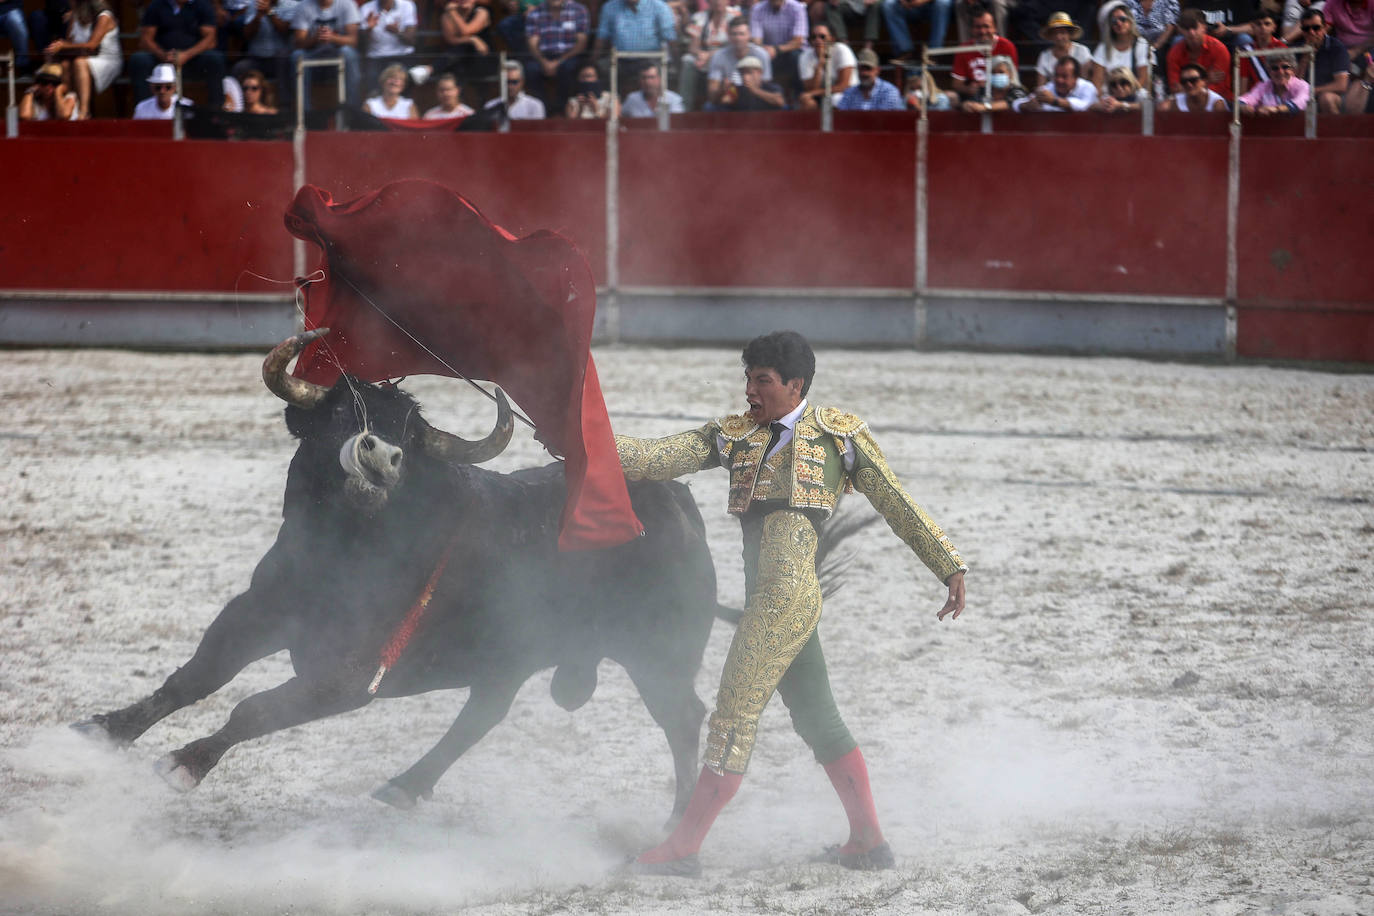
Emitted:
pixel 954 604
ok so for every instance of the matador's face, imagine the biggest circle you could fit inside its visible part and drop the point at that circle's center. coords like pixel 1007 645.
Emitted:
pixel 769 397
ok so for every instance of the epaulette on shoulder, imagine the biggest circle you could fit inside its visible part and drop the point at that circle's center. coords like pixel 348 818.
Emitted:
pixel 837 422
pixel 736 427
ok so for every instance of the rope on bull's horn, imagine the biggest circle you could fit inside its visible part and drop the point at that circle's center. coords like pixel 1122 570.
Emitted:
pixel 421 344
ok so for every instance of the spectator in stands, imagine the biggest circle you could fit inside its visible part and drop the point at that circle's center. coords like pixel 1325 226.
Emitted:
pixel 389 26
pixel 466 31
pixel 181 34
pixel 1290 29
pixel 258 97
pixel 1122 94
pixel 707 32
pixel 48 99
pixel 1352 23
pixel 90 54
pixel 1028 17
pixel 12 17
pixel 1257 34
pixel 1332 76
pixel 872 93
pixel 1004 88
pixel 557 33
pixel 724 69
pixel 1122 45
pixel 825 55
pixel 1060 31
pixel 1195 94
pixel 634 25
pixel 391 102
pixel 752 92
pixel 267 34
pixel 969 72
pixel 1157 21
pixel 1283 94
pixel 643 102
pixel 160 106
pixel 450 98
pixel 328 30
pixel 1197 47
pixel 1067 91
pixel 837 14
pixel 920 86
pixel 1359 98
pixel 963 15
pixel 591 98
pixel 780 26
pixel 519 106
pixel 899 14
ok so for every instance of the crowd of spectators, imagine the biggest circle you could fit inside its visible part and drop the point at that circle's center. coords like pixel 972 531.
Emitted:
pixel 721 55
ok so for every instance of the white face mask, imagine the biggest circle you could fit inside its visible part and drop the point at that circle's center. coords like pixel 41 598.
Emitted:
pixel 999 80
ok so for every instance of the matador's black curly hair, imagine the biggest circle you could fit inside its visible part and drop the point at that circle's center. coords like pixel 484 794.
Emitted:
pixel 785 351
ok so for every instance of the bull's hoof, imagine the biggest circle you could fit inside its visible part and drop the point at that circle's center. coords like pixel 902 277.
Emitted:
pixel 175 774
pixel 97 728
pixel 391 794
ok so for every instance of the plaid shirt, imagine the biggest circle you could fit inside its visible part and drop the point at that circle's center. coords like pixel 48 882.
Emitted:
pixel 885 97
pixel 777 27
pixel 557 34
pixel 642 28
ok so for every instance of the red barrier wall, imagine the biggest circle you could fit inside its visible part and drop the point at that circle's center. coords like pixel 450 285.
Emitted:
pixel 520 181
pixel 766 209
pixel 144 215
pixel 1099 214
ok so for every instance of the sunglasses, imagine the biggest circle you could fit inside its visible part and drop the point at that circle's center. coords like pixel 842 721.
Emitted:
pixel 1283 66
pixel 1120 19
pixel 1313 28
pixel 1190 80
pixel 251 87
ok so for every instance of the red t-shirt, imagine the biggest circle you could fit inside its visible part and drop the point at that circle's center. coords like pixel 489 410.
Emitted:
pixel 972 67
pixel 1213 56
pixel 1247 66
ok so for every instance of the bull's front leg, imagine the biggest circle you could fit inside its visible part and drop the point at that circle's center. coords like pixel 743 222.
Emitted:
pixel 488 704
pixel 244 632
pixel 295 702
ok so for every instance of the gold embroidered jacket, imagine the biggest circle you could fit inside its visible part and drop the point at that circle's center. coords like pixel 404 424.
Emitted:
pixel 808 473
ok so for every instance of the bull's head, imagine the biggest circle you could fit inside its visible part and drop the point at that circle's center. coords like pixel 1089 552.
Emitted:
pixel 377 425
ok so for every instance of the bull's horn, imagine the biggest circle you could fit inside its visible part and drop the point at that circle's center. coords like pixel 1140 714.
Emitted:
pixel 456 450
pixel 290 389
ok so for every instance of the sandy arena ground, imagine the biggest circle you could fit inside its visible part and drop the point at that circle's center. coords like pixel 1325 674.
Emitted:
pixel 1158 701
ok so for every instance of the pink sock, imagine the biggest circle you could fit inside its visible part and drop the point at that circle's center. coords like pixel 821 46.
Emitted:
pixel 849 776
pixel 714 790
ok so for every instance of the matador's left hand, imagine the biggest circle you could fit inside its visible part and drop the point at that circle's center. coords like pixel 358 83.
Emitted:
pixel 955 603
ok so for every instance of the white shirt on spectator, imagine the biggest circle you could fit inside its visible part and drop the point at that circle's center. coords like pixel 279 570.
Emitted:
pixel 636 106
pixel 1109 58
pixel 524 108
pixel 437 113
pixel 1044 64
pixel 147 109
pixel 380 41
pixel 841 56
pixel 1080 97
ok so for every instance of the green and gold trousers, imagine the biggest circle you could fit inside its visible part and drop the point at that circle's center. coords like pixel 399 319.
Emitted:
pixel 776 647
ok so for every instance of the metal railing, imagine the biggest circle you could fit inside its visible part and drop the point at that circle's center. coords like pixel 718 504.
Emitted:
pixel 303 65
pixel 986 51
pixel 12 109
pixel 661 58
pixel 1310 130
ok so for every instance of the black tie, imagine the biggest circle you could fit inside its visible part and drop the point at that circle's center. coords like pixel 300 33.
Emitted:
pixel 778 429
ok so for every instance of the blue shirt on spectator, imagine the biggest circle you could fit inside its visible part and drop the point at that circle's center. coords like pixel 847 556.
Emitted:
pixel 885 97
pixel 267 42
pixel 777 27
pixel 178 25
pixel 642 27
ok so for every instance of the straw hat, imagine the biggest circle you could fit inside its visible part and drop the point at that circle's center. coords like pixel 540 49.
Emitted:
pixel 1060 20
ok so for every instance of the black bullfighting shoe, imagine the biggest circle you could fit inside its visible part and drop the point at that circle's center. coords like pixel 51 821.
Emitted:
pixel 686 867
pixel 879 858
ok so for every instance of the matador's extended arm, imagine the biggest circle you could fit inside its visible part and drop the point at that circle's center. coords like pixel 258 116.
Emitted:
pixel 875 480
pixel 669 457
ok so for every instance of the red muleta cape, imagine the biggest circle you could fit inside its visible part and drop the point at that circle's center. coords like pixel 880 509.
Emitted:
pixel 517 312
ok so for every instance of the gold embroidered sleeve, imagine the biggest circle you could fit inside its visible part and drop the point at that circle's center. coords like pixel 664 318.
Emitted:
pixel 875 480
pixel 669 457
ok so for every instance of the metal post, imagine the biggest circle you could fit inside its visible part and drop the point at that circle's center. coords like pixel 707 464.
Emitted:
pixel 300 97
pixel 1310 131
pixel 661 109
pixel 341 81
pixel 12 109
pixel 827 103
pixel 1147 108
pixel 504 89
pixel 178 128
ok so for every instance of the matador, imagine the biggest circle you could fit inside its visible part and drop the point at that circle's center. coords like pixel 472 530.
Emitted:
pixel 789 462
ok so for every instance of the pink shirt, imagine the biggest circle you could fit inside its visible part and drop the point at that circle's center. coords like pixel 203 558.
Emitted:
pixel 1268 95
pixel 1354 27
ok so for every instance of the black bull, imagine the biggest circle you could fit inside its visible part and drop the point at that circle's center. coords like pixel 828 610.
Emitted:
pixel 375 498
